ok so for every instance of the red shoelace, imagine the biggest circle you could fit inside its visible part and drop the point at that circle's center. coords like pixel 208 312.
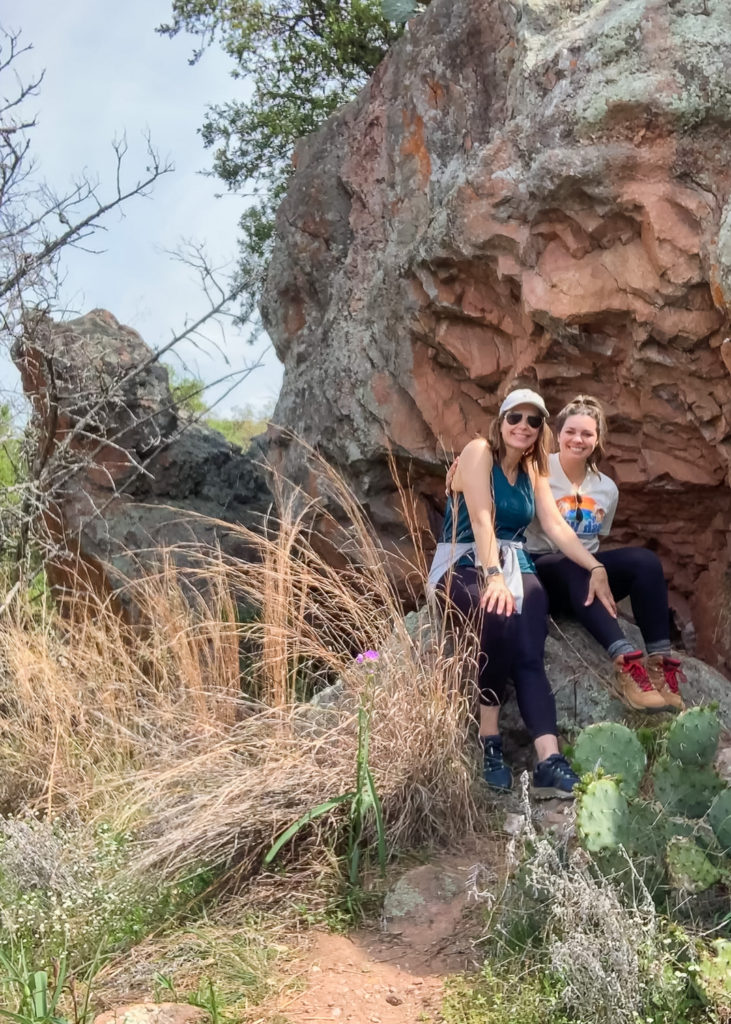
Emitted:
pixel 633 667
pixel 673 673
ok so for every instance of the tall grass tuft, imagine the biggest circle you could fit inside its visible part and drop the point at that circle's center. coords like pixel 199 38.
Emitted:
pixel 191 726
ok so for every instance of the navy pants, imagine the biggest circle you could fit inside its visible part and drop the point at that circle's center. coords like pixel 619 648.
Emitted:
pixel 510 646
pixel 633 572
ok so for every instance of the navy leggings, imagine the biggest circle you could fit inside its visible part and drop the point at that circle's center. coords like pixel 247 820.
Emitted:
pixel 633 572
pixel 510 646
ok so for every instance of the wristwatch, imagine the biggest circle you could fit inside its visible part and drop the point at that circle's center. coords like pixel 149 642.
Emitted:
pixel 493 570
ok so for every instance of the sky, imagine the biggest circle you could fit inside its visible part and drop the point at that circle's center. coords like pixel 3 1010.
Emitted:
pixel 108 72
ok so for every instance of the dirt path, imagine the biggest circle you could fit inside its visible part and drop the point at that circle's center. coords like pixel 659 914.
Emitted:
pixel 395 974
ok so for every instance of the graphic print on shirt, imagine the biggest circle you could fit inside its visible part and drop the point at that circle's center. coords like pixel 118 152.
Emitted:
pixel 584 516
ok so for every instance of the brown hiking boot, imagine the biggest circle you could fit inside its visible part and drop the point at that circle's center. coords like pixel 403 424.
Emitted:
pixel 665 675
pixel 632 684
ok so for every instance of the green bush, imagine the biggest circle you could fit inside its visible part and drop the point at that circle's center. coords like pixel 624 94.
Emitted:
pixel 238 428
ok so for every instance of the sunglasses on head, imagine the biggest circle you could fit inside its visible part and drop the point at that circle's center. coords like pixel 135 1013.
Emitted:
pixel 515 417
pixel 579 517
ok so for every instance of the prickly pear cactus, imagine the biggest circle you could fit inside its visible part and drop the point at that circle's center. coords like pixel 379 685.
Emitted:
pixel 688 867
pixel 693 737
pixel 662 841
pixel 616 749
pixel 647 830
pixel 719 817
pixel 602 816
pixel 683 790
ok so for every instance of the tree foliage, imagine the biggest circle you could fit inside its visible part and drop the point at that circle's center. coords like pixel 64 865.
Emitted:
pixel 297 61
pixel 239 427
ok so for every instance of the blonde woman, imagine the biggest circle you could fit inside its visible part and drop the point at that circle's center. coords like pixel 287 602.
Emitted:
pixel 587 500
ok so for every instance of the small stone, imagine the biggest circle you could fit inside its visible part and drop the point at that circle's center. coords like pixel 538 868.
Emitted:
pixel 394 1000
pixel 152 1013
pixel 514 824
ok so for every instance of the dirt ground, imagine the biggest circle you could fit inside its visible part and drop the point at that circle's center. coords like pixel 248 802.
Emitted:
pixel 394 974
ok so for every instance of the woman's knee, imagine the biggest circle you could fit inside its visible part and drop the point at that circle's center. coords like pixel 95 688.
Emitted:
pixel 641 562
pixel 646 560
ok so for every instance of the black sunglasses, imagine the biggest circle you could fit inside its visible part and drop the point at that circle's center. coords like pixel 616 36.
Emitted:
pixel 532 420
pixel 579 517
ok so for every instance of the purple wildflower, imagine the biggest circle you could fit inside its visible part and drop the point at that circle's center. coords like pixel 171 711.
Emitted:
pixel 367 656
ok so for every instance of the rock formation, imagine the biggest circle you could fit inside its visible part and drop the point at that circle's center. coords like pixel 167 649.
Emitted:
pixel 125 476
pixel 534 192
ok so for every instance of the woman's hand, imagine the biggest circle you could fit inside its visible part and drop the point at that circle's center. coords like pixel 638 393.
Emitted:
pixel 497 597
pixel 599 587
pixel 450 476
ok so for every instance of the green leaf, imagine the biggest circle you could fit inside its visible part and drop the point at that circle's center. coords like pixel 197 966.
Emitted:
pixel 9 1015
pixel 354 858
pixel 380 824
pixel 293 829
pixel 39 994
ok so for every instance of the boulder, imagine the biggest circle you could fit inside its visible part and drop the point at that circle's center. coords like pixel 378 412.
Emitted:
pixel 532 192
pixel 127 478
pixel 580 674
pixel 153 1013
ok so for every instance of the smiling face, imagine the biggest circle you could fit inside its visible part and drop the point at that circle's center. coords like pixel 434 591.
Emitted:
pixel 520 435
pixel 578 436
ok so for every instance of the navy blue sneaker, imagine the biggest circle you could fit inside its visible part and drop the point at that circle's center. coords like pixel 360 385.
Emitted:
pixel 554 777
pixel 494 770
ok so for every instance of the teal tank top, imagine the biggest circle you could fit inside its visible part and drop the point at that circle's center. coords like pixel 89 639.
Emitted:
pixel 515 507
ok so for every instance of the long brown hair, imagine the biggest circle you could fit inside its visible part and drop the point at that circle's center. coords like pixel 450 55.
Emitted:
pixel 536 456
pixel 586 405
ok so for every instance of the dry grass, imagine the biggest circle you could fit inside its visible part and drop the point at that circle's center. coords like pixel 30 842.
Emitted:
pixel 150 727
pixel 245 963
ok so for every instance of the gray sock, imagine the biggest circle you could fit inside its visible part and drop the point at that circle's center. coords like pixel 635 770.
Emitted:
pixel 622 646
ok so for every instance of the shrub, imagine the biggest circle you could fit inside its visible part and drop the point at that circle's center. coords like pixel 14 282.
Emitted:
pixel 66 891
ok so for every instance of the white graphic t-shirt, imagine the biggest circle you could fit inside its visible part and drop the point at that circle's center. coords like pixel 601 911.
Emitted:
pixel 588 511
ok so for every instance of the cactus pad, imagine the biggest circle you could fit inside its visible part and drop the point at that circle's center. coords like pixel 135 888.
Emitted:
pixel 647 830
pixel 719 817
pixel 603 816
pixel 616 749
pixel 683 790
pixel 693 737
pixel 688 867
